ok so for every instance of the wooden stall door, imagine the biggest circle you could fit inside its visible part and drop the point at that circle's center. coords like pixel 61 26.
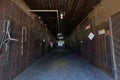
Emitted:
pixel 115 27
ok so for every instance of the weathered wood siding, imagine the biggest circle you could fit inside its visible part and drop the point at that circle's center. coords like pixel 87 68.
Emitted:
pixel 115 21
pixel 35 32
pixel 4 14
pixel 97 51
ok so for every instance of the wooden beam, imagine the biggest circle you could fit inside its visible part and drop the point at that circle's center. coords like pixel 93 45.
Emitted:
pixel 43 10
pixel 49 11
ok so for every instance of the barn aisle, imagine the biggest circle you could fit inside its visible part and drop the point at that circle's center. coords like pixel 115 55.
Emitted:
pixel 61 64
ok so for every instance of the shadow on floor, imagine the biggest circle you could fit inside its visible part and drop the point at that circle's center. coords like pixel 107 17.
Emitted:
pixel 61 64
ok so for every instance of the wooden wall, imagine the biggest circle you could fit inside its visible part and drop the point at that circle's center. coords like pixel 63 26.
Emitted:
pixel 4 14
pixel 115 24
pixel 102 12
pixel 97 51
pixel 100 51
pixel 15 62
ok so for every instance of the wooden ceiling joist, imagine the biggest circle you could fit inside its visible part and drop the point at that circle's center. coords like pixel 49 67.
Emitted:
pixel 74 11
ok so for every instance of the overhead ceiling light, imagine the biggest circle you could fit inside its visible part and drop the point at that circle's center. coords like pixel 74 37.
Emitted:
pixel 39 17
pixel 61 16
pixel 60 37
pixel 59 34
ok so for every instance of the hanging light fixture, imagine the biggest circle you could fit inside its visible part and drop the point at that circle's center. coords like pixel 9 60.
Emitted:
pixel 61 16
pixel 39 17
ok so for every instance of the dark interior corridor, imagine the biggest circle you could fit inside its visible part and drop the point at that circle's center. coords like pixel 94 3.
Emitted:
pixel 61 64
pixel 61 39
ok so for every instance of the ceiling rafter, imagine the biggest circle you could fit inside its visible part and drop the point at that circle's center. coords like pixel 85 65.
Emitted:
pixel 74 12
